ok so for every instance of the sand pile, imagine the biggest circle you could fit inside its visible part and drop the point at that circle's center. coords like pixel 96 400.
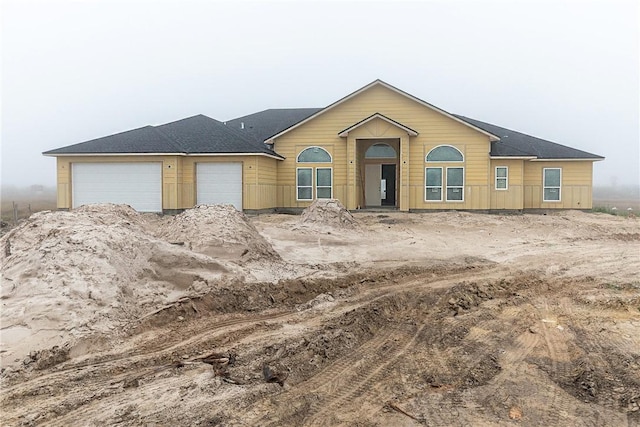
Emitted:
pixel 325 214
pixel 219 231
pixel 67 274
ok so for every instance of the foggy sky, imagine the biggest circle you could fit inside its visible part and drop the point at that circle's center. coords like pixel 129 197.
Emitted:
pixel 566 71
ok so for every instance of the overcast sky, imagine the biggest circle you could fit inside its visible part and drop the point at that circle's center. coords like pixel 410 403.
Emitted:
pixel 566 71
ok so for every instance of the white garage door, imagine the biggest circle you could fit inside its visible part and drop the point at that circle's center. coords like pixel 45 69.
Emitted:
pixel 136 184
pixel 219 183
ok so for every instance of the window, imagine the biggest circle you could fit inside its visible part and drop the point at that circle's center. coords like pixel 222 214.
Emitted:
pixel 452 182
pixel 502 177
pixel 551 181
pixel 455 184
pixel 433 184
pixel 314 155
pixel 445 153
pixel 304 183
pixel 323 183
pixel 380 151
pixel 306 178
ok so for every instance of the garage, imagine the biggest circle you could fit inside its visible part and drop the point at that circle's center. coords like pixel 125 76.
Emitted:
pixel 136 184
pixel 219 183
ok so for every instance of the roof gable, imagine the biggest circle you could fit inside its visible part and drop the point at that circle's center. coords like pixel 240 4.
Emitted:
pixel 379 82
pixel 345 132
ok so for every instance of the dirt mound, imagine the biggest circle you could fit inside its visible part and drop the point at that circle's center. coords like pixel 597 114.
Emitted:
pixel 219 231
pixel 327 214
pixel 67 274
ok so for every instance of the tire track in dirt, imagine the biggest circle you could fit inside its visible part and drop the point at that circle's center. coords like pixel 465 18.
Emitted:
pixel 360 381
pixel 74 379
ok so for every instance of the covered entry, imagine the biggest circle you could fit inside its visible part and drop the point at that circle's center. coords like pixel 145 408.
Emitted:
pixel 380 174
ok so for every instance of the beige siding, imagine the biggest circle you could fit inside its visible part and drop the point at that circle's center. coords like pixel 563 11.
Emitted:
pixel 433 127
pixel 259 178
pixel 576 186
pixel 170 173
pixel 512 197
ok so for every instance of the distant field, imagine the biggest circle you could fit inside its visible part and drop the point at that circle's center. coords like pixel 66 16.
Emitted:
pixel 619 204
pixel 27 201
pixel 30 200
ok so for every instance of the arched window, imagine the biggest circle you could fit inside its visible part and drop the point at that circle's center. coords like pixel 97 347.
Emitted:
pixel 444 184
pixel 380 151
pixel 445 153
pixel 314 155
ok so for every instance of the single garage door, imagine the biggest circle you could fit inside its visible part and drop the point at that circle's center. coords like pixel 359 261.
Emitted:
pixel 136 184
pixel 219 183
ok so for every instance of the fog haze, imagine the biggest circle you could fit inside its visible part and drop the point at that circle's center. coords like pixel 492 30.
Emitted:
pixel 566 71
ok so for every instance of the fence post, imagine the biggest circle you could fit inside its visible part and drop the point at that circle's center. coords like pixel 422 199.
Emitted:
pixel 15 213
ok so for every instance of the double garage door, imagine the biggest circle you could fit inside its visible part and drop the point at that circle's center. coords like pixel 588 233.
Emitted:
pixel 140 184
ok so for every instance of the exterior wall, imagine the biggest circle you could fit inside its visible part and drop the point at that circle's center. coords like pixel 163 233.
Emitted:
pixel 576 185
pixel 259 175
pixel 171 170
pixel 258 180
pixel 512 197
pixel 434 129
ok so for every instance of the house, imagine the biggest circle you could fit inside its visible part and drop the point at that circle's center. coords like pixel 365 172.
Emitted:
pixel 378 146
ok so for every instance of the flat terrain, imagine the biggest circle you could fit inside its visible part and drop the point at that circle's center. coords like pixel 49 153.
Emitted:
pixel 380 319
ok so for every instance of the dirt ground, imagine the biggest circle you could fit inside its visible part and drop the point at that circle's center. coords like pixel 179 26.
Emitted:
pixel 110 317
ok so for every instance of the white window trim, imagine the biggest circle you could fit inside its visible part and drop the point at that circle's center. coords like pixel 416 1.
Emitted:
pixel 444 161
pixel 323 186
pixel 310 147
pixel 441 186
pixel 506 178
pixel 304 186
pixel 461 187
pixel 544 172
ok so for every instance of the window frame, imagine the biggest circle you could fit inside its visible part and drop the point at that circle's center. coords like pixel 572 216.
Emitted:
pixel 298 186
pixel 427 187
pixel 426 157
pixel 316 186
pixel 461 187
pixel 395 153
pixel 545 187
pixel 310 148
pixel 505 178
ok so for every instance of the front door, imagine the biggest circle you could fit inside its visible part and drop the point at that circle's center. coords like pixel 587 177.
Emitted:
pixel 380 185
pixel 372 185
pixel 389 183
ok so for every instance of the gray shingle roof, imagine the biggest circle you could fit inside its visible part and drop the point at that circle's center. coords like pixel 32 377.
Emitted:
pixel 194 135
pixel 203 135
pixel 267 123
pixel 517 144
pixel 137 141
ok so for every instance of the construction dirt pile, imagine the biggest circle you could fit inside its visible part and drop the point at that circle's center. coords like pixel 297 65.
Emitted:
pixel 327 214
pixel 219 231
pixel 438 319
pixel 69 274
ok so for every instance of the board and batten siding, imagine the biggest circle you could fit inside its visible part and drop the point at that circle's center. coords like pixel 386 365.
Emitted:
pixel 576 185
pixel 170 174
pixel 512 197
pixel 258 179
pixel 433 127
